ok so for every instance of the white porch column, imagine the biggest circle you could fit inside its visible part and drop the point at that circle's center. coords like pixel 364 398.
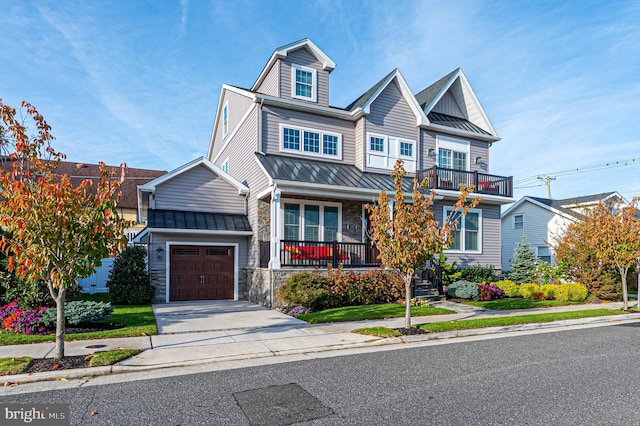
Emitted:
pixel 274 262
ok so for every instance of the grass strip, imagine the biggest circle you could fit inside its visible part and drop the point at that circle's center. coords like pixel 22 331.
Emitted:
pixel 517 303
pixel 138 320
pixel 14 365
pixel 378 331
pixel 369 312
pixel 101 358
pixel 437 327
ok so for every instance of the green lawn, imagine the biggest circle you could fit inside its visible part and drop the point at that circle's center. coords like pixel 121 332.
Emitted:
pixel 516 320
pixel 518 303
pixel 138 320
pixel 365 312
pixel 378 331
pixel 14 365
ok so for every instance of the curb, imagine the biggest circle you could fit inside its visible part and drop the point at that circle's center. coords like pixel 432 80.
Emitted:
pixel 86 373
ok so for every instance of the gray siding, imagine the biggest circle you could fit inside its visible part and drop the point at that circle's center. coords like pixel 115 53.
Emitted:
pixel 464 99
pixel 238 105
pixel 244 167
pixel 359 142
pixel 490 253
pixel 199 189
pixel 274 116
pixel 448 105
pixel 270 84
pixel 391 115
pixel 303 57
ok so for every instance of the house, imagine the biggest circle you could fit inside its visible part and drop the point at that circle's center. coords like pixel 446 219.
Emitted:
pixel 284 185
pixel 542 220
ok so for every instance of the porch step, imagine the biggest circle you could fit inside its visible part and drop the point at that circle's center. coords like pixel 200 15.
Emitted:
pixel 426 290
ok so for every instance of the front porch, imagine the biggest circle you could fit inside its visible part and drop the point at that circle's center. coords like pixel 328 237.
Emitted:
pixel 296 253
pixel 450 179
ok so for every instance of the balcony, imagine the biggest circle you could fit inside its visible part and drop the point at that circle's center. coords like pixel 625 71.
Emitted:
pixel 450 179
pixel 317 253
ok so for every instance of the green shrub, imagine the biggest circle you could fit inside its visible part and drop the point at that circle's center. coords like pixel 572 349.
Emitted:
pixel 571 292
pixel 478 274
pixel 129 281
pixel 367 288
pixel 450 271
pixel 78 312
pixel 528 290
pixel 307 289
pixel 510 288
pixel 549 290
pixel 463 289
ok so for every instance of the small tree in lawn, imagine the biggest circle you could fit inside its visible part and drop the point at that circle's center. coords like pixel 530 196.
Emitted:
pixel 407 234
pixel 54 231
pixel 523 267
pixel 613 237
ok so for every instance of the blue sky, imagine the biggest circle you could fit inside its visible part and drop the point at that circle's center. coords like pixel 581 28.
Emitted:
pixel 138 81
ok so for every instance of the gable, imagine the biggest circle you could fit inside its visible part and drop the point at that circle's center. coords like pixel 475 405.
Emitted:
pixel 391 114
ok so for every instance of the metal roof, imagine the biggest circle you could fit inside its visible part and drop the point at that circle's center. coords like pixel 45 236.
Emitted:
pixel 455 122
pixel 205 221
pixel 326 173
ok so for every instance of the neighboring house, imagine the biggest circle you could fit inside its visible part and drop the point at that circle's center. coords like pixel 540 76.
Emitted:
pixel 287 177
pixel 542 220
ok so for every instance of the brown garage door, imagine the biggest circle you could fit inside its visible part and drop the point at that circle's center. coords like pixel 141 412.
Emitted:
pixel 201 273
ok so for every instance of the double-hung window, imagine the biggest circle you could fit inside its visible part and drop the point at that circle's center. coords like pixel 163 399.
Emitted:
pixel 311 222
pixel 310 142
pixel 303 82
pixel 518 221
pixel 453 153
pixel 467 237
pixel 383 151
pixel 543 253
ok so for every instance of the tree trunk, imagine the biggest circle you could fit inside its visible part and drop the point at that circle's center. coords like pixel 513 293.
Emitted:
pixel 407 284
pixel 59 296
pixel 625 293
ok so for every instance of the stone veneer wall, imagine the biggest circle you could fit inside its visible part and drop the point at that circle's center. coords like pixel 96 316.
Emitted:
pixel 158 282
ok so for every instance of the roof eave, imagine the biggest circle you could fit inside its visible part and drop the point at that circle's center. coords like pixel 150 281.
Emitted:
pixel 459 132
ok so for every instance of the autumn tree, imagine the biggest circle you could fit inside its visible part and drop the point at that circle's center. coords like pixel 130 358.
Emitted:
pixel 407 233
pixel 54 231
pixel 605 238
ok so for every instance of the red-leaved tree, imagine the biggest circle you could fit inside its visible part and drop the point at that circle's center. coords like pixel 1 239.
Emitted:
pixel 54 231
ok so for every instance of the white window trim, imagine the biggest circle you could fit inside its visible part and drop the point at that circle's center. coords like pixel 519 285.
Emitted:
pixel 391 157
pixel 514 221
pixel 225 165
pixel 302 203
pixel 453 144
pixel 461 228
pixel 301 150
pixel 550 253
pixel 225 124
pixel 314 82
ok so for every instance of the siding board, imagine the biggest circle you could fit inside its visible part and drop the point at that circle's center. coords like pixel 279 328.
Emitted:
pixel 303 57
pixel 237 108
pixel 270 84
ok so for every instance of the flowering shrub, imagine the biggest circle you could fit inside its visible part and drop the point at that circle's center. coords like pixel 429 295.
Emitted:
pixel 297 311
pixel 510 288
pixel 489 292
pixel 20 320
pixel 529 289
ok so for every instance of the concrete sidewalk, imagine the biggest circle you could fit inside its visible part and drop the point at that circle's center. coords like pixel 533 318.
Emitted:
pixel 281 337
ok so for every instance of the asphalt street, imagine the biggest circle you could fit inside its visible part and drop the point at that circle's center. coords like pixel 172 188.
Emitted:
pixel 572 377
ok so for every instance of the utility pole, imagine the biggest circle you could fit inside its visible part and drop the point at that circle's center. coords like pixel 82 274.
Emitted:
pixel 547 180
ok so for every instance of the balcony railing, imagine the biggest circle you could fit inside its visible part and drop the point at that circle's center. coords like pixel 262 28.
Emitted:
pixel 317 253
pixel 441 178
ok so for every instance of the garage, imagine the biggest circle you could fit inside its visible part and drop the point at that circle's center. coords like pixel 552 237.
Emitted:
pixel 201 272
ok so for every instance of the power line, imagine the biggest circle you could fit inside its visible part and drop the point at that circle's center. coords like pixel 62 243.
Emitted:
pixel 580 170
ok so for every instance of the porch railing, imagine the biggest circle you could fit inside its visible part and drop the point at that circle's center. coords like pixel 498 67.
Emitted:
pixel 318 253
pixel 442 178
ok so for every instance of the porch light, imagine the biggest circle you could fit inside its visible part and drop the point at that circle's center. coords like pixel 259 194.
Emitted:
pixel 479 160
pixel 432 152
pixel 159 252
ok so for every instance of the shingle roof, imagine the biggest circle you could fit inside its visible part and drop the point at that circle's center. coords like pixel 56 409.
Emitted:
pixel 455 122
pixel 205 221
pixel 367 95
pixel 564 205
pixel 427 95
pixel 326 173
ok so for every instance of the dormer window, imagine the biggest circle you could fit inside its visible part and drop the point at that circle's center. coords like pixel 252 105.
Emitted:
pixel 303 82
pixel 225 120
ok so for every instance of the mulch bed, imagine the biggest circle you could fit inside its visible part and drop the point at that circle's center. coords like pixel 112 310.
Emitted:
pixel 411 331
pixel 52 364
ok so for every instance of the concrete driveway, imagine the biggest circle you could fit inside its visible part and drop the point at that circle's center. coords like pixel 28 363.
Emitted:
pixel 218 315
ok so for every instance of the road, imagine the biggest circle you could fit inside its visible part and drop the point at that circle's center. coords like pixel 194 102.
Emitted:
pixel 581 377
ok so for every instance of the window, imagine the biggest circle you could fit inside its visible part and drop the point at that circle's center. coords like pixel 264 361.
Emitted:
pixel 303 82
pixel 383 151
pixel 311 142
pixel 453 153
pixel 225 166
pixel 225 120
pixel 330 145
pixel 291 139
pixel 543 253
pixel 467 237
pixel 311 221
pixel 518 221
